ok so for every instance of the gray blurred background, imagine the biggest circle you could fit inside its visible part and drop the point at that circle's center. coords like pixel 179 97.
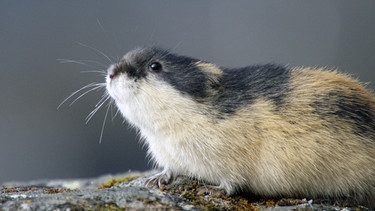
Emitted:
pixel 38 141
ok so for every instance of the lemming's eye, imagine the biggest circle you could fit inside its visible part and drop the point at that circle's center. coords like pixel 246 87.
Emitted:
pixel 155 66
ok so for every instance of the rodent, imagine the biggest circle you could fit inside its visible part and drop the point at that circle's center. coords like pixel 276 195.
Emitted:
pixel 268 129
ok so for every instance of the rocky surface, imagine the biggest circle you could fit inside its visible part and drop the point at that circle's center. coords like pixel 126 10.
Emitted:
pixel 127 192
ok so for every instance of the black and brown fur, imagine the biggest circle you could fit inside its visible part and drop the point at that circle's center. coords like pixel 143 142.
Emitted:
pixel 268 129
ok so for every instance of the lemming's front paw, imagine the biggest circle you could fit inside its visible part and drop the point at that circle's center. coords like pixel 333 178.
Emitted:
pixel 163 178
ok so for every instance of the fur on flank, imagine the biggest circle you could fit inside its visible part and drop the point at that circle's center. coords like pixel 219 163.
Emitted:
pixel 267 129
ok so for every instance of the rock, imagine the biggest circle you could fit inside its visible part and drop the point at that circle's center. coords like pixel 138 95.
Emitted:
pixel 83 194
pixel 108 193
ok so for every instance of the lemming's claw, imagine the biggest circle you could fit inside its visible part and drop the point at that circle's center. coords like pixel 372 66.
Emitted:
pixel 162 178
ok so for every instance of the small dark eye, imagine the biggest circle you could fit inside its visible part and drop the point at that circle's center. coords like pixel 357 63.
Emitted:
pixel 155 66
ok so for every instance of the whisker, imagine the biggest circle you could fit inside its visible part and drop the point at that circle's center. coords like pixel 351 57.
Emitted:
pixel 99 72
pixel 90 63
pixel 63 61
pixel 74 93
pixel 176 46
pixel 104 98
pixel 97 51
pixel 102 72
pixel 100 24
pixel 91 114
pixel 151 36
pixel 96 87
pixel 117 112
pixel 104 121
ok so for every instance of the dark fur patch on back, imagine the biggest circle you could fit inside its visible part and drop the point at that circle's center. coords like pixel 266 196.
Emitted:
pixel 241 86
pixel 183 75
pixel 351 109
